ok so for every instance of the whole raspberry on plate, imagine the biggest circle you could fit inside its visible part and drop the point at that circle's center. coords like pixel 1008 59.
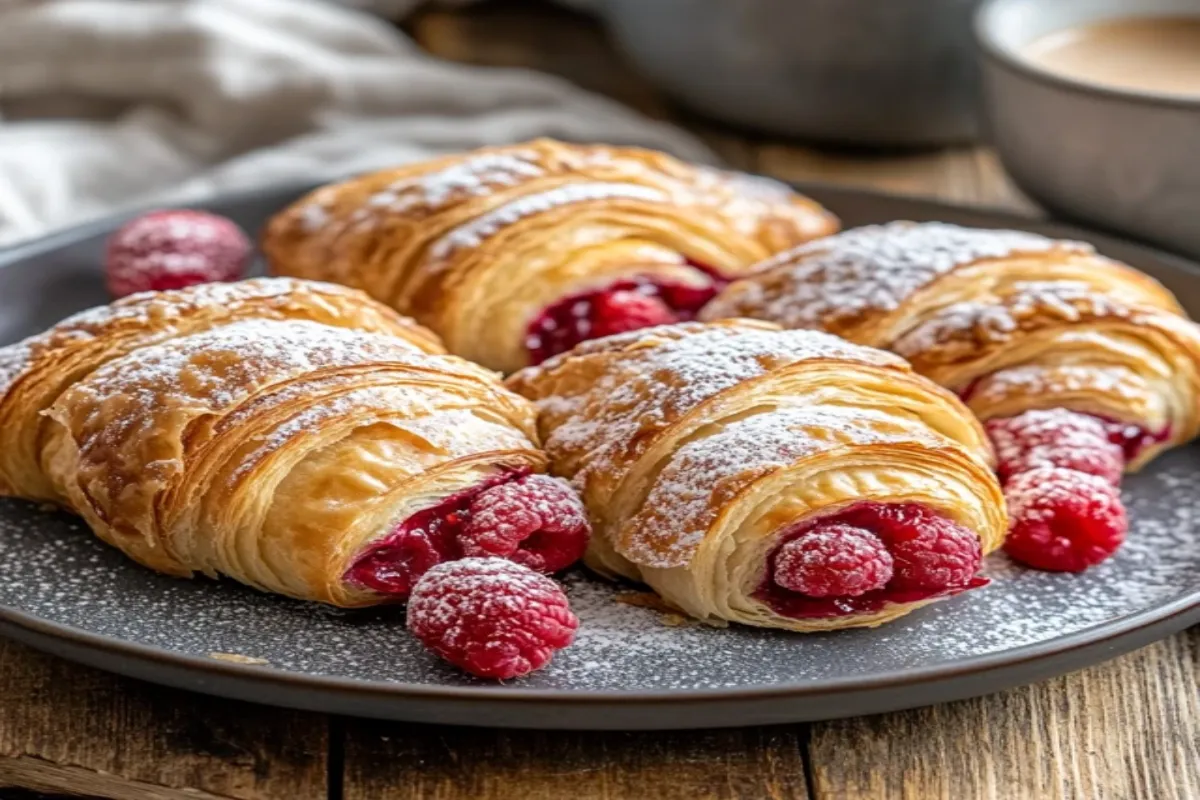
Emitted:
pixel 491 617
pixel 172 249
pixel 1063 520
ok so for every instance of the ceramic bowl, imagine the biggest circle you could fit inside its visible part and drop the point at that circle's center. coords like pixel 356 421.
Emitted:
pixel 865 72
pixel 1123 159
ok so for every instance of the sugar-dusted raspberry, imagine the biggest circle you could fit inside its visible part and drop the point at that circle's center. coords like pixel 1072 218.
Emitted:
pixel 491 617
pixel 536 521
pixel 627 310
pixel 173 249
pixel 833 560
pixel 1055 438
pixel 1063 520
pixel 931 551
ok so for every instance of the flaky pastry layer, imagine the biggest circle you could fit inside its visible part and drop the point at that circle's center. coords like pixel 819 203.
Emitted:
pixel 696 447
pixel 1010 320
pixel 476 245
pixel 255 431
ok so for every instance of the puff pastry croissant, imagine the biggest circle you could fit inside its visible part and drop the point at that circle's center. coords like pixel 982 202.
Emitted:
pixel 782 479
pixel 1077 361
pixel 515 253
pixel 278 432
pixel 1009 320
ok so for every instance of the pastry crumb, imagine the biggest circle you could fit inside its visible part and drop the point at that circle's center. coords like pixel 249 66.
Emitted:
pixel 238 658
pixel 644 600
pixel 670 616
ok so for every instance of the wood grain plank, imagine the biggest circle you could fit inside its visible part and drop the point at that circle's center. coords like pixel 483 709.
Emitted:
pixel 570 45
pixel 421 762
pixel 970 175
pixel 541 37
pixel 67 728
pixel 1123 730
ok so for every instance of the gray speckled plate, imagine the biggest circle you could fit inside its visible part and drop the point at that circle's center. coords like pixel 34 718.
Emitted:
pixel 631 667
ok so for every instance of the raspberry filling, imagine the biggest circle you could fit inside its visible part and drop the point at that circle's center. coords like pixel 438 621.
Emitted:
pixel 867 557
pixel 1133 439
pixel 1056 438
pixel 534 520
pixel 625 305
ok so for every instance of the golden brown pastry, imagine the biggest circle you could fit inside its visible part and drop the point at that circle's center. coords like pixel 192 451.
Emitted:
pixel 516 253
pixel 35 372
pixel 783 479
pixel 1077 362
pixel 254 431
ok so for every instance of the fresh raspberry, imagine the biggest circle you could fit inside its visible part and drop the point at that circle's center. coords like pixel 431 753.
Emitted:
pixel 536 521
pixel 173 249
pixel 627 310
pixel 833 560
pixel 1063 520
pixel 491 617
pixel 1055 438
pixel 930 551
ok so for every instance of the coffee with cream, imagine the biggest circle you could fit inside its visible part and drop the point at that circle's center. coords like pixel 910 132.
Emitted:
pixel 1149 54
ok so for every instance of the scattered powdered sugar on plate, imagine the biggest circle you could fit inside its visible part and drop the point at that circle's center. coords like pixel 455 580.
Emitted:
pixel 51 567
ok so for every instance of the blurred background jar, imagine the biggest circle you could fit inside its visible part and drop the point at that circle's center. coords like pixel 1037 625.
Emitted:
pixel 862 72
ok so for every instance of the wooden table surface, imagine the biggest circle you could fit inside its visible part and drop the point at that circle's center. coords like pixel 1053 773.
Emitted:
pixel 1129 728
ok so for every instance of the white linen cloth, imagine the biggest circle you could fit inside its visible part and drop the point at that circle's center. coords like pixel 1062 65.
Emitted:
pixel 105 104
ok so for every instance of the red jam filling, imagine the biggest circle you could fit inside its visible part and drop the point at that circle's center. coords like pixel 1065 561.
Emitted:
pixel 897 525
pixel 429 537
pixel 1133 439
pixel 625 305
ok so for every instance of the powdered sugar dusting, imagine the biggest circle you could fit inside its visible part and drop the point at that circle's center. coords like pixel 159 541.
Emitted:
pixel 1035 380
pixel 156 313
pixel 684 501
pixel 651 386
pixel 476 231
pixel 162 306
pixel 476 175
pixel 253 350
pixel 314 215
pixel 986 322
pixel 14 360
pixel 440 592
pixel 1055 437
pixel 53 568
pixel 870 269
pixel 1033 496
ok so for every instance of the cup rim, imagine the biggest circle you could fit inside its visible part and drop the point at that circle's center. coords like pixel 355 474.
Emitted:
pixel 990 47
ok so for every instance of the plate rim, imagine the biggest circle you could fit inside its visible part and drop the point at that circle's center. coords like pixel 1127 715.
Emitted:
pixel 1163 618
pixel 1185 606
